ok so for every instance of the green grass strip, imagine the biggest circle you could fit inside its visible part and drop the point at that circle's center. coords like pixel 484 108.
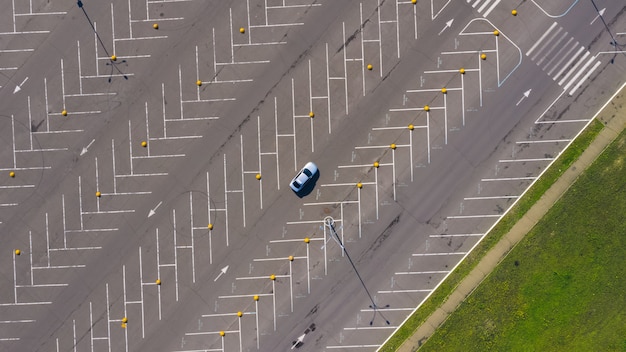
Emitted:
pixel 562 287
pixel 437 298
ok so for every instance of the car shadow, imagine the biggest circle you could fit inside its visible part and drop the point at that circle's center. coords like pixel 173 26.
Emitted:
pixel 308 188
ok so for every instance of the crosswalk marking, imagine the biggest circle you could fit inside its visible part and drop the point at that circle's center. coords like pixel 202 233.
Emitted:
pixel 545 44
pixel 569 72
pixel 572 62
pixel 562 54
pixel 545 34
pixel 580 82
pixel 484 6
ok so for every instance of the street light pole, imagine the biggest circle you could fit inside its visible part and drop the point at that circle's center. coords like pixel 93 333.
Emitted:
pixel 330 222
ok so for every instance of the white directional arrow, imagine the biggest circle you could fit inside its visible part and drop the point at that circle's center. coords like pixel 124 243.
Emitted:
pixel 222 272
pixel 526 95
pixel 600 13
pixel 298 341
pixel 448 25
pixel 86 149
pixel 19 87
pixel 153 211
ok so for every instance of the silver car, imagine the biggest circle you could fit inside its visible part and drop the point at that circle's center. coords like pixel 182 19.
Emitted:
pixel 303 177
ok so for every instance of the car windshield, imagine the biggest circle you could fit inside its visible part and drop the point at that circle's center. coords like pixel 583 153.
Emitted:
pixel 295 183
pixel 307 172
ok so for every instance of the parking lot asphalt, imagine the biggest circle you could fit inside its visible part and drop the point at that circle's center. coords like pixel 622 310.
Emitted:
pixel 147 148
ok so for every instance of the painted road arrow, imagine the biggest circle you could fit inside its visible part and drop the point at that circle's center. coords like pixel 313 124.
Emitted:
pixel 526 95
pixel 600 13
pixel 153 211
pixel 448 25
pixel 86 149
pixel 222 272
pixel 19 87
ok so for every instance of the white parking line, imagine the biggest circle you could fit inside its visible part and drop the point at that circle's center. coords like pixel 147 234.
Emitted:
pixel 118 321
pixel 410 309
pixel 130 145
pixel 147 19
pixel 564 121
pixel 140 302
pixel 64 95
pixel 16 51
pixel 352 346
pixel 32 278
pixel 371 328
pixel 39 13
pixel 275 259
pixel 91 323
pixel 457 235
pixel 422 272
pixel 198 99
pixel 98 211
pixel 261 153
pixel 277 25
pixel 524 160
pixel 154 283
pixel 308 240
pixel 417 109
pixel 509 179
pixel 212 332
pixel 307 116
pixel 82 229
pixel 490 197
pixel 403 291
pixel 291 135
pixel 115 175
pixel 297 240
pixel 437 254
pixel 227 191
pixel 210 228
pixel 361 35
pixel 257 171
pixel 160 265
pixel 165 1
pixel 17 186
pixel 474 216
pixel 273 294
pixel 216 63
pixel 312 97
pixel 328 90
pixel 65 247
pixel 17 321
pixel 335 202
pixel 544 141
pixel 15 287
